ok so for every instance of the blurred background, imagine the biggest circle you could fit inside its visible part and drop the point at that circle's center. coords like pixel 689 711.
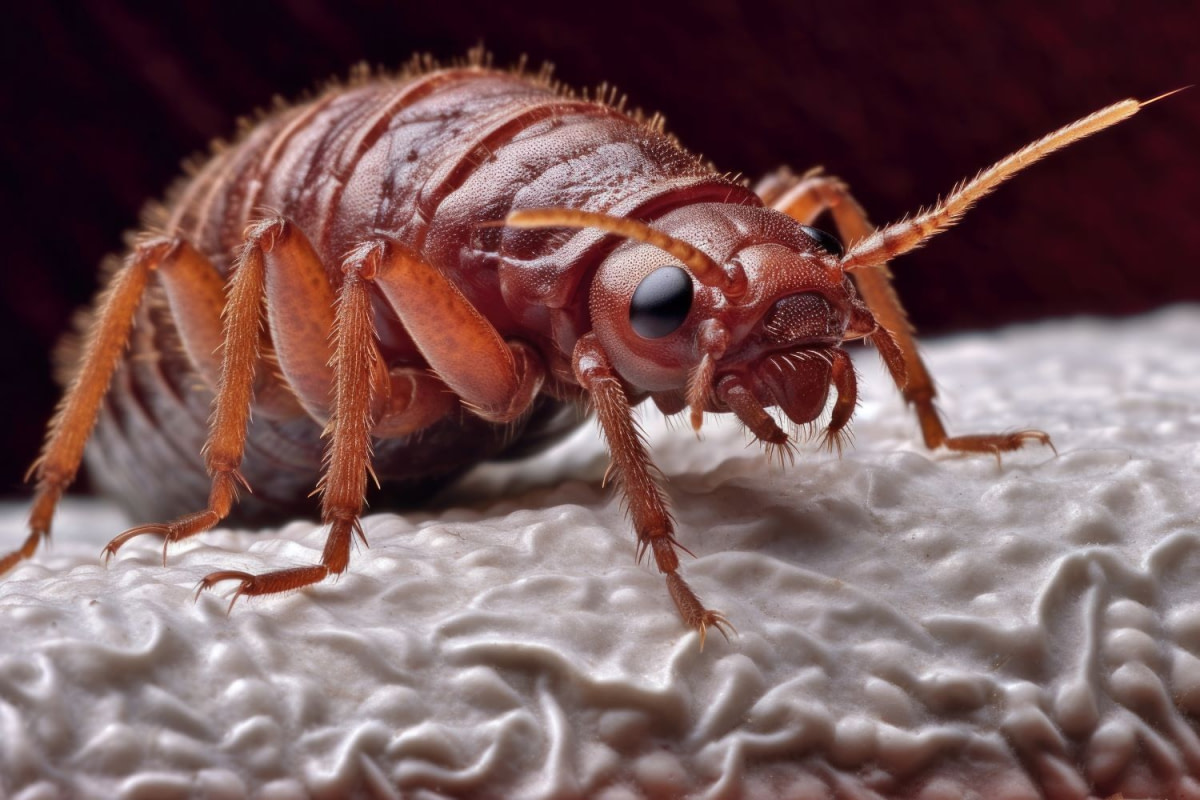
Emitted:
pixel 100 101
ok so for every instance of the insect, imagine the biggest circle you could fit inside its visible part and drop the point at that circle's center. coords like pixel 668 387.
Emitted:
pixel 450 263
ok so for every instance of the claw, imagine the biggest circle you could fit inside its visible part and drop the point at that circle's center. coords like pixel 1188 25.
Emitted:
pixel 997 443
pixel 1041 437
pixel 717 622
pixel 213 578
pixel 119 541
pixel 181 528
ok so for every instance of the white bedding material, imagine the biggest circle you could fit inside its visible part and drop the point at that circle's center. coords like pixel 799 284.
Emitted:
pixel 909 624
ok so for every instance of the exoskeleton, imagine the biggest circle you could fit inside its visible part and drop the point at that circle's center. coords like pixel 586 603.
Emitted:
pixel 451 263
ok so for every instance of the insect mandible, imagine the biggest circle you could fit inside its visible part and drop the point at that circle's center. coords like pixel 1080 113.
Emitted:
pixel 451 262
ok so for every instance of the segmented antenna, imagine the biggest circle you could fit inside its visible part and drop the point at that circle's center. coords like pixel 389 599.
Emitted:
pixel 706 270
pixel 901 237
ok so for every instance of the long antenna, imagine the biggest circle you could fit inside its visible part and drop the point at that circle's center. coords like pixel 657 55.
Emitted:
pixel 706 270
pixel 901 237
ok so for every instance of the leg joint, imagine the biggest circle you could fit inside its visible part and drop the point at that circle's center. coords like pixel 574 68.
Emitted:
pixel 919 395
pixel 153 250
pixel 527 377
pixel 222 464
pixel 265 234
pixel 52 474
pixel 365 260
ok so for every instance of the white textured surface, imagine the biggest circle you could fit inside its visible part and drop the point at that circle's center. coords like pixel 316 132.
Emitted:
pixel 909 624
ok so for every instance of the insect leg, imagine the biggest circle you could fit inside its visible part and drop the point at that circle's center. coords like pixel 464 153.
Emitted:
pixel 75 417
pixel 348 454
pixel 815 193
pixel 240 355
pixel 195 292
pixel 647 505
pixel 299 301
pixel 300 314
pixel 495 378
pixel 802 197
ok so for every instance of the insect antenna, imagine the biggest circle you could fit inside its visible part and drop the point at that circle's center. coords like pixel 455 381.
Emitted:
pixel 901 237
pixel 706 270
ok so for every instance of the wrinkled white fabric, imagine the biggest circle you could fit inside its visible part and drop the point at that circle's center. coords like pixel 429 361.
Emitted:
pixel 908 624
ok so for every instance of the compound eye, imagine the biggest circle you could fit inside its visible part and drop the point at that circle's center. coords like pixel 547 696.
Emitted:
pixel 661 302
pixel 828 242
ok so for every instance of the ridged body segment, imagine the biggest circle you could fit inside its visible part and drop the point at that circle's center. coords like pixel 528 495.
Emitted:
pixel 419 160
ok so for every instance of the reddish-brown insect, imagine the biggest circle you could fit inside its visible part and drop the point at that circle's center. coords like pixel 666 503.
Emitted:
pixel 422 336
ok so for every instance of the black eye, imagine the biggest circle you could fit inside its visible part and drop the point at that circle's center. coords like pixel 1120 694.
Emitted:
pixel 829 243
pixel 661 302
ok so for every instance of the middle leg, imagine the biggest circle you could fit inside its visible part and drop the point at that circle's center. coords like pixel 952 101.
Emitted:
pixel 499 381
pixel 343 485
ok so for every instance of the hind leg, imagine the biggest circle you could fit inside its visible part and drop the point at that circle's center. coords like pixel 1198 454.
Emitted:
pixel 343 486
pixel 194 290
pixel 75 417
pixel 279 269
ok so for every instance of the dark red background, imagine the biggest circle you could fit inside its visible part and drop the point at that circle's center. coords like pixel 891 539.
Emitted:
pixel 100 101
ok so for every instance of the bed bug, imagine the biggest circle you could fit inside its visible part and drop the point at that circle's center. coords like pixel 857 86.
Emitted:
pixel 452 262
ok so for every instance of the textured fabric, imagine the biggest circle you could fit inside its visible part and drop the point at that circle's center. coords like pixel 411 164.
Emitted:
pixel 909 625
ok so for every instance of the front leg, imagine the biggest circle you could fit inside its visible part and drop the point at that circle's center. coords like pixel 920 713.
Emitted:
pixel 803 199
pixel 647 505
